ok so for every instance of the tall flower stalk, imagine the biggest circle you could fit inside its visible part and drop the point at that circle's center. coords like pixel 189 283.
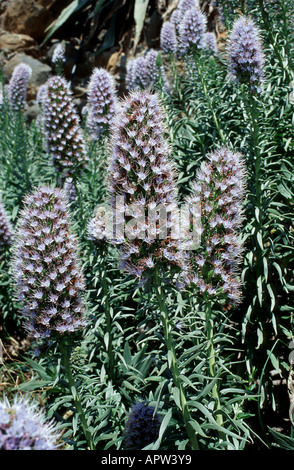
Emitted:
pixel 143 176
pixel 48 276
pixel 217 199
pixel 247 68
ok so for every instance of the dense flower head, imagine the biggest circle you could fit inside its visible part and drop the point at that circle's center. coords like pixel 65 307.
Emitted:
pixel 192 31
pixel 17 87
pixel 143 72
pixel 6 230
pixel 185 5
pixel 210 42
pixel 23 426
pixel 218 195
pixel 48 276
pixel 58 56
pixel 245 53
pixel 142 427
pixel 142 174
pixel 168 38
pixel 64 138
pixel 102 102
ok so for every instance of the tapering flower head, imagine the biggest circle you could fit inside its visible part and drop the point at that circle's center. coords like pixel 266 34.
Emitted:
pixel 245 53
pixel 136 78
pixel 210 42
pixel 142 175
pixel 218 195
pixel 49 280
pixel 58 56
pixel 168 39
pixel 143 72
pixel 6 230
pixel 185 5
pixel 142 427
pixel 102 102
pixel 64 138
pixel 17 87
pixel 23 426
pixel 192 31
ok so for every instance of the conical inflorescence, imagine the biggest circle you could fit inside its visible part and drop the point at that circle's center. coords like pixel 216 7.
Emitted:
pixel 48 276
pixel 61 124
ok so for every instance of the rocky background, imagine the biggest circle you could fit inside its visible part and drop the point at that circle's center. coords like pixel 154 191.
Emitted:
pixel 93 37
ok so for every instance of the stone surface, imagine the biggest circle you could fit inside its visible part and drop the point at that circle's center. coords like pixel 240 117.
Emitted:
pixel 40 72
pixel 14 42
pixel 31 16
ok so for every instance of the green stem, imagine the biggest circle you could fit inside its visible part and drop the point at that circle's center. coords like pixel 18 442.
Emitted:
pixel 172 360
pixel 212 362
pixel 66 363
pixel 210 104
pixel 108 319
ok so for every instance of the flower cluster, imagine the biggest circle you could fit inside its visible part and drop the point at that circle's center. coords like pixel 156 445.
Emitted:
pixel 142 427
pixel 48 276
pixel 17 87
pixel 6 230
pixel 185 5
pixel 102 103
pixel 218 194
pixel 143 72
pixel 210 42
pixel 58 57
pixel 24 427
pixel 141 173
pixel 245 53
pixel 64 138
pixel 192 31
pixel 168 38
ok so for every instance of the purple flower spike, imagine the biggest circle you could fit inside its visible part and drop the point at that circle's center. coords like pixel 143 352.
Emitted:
pixel 142 427
pixel 245 54
pixel 210 42
pixel 6 230
pixel 142 175
pixel 143 72
pixel 64 138
pixel 168 39
pixel 218 192
pixel 58 56
pixel 102 103
pixel 185 5
pixel 192 31
pixel 17 87
pixel 48 276
pixel 23 426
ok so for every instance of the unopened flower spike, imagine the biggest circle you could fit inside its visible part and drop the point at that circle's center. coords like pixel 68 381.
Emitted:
pixel 142 427
pixel 64 138
pixel 49 280
pixel 17 87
